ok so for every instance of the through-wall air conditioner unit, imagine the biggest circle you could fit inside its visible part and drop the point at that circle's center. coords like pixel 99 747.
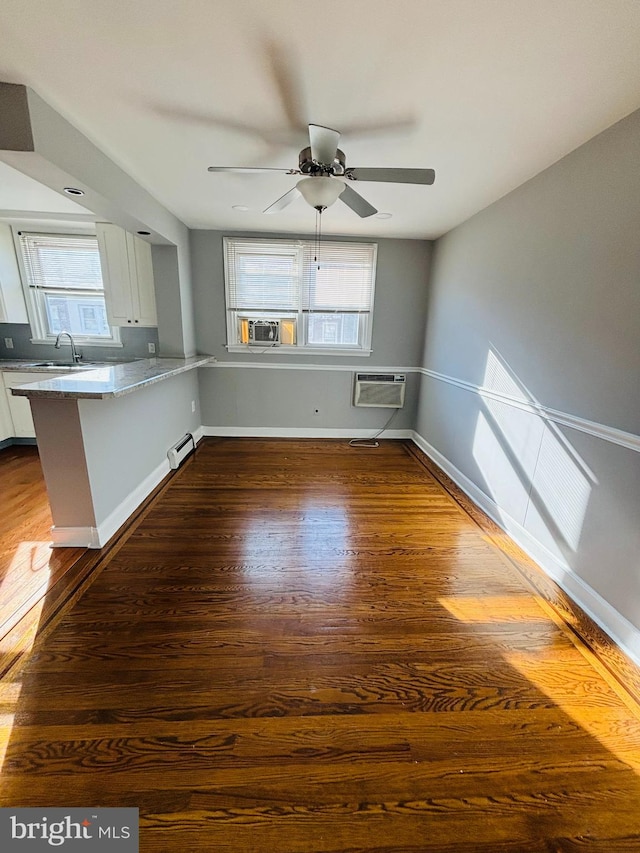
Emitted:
pixel 384 390
pixel 267 333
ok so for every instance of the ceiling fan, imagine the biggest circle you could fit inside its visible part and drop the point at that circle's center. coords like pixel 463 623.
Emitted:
pixel 328 177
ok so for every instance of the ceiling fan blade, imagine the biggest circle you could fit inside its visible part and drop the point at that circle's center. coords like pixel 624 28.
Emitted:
pixel 250 169
pixel 285 70
pixel 355 201
pixel 324 143
pixel 283 201
pixel 401 124
pixel 394 176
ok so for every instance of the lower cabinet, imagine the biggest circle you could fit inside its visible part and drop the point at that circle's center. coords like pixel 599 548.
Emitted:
pixel 6 422
pixel 18 409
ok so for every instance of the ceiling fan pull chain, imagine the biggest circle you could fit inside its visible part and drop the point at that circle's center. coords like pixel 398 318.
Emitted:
pixel 318 234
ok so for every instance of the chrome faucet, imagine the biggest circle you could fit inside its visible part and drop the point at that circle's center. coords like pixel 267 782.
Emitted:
pixel 75 355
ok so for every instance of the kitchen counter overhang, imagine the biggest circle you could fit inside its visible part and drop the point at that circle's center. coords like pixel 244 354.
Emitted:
pixel 104 448
pixel 110 380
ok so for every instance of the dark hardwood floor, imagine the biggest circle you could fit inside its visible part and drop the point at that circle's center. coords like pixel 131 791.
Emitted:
pixel 302 646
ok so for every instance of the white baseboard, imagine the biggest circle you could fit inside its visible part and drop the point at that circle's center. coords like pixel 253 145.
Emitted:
pixel 197 434
pixel 621 631
pixel 75 537
pixel 97 537
pixel 302 432
pixel 129 505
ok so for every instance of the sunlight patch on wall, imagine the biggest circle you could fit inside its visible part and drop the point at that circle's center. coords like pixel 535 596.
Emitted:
pixel 563 489
pixel 522 430
pixel 534 474
pixel 508 489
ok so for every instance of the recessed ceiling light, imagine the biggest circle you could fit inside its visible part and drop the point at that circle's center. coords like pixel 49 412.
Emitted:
pixel 384 215
pixel 73 191
pixel 144 233
pixel 240 207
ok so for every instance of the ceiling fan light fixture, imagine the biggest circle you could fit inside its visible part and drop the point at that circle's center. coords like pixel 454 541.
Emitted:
pixel 326 178
pixel 319 191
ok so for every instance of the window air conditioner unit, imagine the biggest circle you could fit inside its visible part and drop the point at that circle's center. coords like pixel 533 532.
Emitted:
pixel 267 333
pixel 384 390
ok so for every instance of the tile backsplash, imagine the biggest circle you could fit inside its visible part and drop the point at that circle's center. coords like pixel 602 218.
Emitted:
pixel 134 345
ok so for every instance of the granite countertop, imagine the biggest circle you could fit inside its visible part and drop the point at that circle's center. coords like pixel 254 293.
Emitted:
pixel 24 365
pixel 106 380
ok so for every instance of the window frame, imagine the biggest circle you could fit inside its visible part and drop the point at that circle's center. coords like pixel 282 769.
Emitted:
pixel 35 297
pixel 302 315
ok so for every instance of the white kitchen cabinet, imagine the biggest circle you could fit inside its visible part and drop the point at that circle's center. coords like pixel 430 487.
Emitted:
pixel 127 273
pixel 12 304
pixel 19 407
pixel 6 422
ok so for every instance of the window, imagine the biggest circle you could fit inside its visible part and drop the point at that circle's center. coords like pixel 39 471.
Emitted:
pixel 282 293
pixel 64 289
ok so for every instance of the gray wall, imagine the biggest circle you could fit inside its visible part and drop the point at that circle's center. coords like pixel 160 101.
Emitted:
pixel 287 396
pixel 135 344
pixel 538 299
pixel 126 438
pixel 270 399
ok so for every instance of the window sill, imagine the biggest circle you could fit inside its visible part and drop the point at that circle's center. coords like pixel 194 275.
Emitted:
pixel 78 342
pixel 297 351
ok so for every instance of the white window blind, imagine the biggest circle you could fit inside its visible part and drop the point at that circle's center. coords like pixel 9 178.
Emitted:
pixel 63 286
pixel 61 262
pixel 326 290
pixel 338 279
pixel 262 276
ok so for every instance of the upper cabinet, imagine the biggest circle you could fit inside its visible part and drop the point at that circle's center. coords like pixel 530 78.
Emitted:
pixel 12 305
pixel 127 273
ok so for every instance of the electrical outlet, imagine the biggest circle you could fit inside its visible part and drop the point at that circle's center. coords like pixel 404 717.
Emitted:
pixel 193 406
pixel 152 347
pixel 8 342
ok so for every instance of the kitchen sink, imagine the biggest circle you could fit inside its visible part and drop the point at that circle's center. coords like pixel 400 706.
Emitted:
pixel 66 365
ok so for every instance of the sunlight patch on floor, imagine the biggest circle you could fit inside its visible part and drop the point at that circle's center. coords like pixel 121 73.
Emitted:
pixel 494 608
pixel 28 573
pixel 580 692
pixel 27 577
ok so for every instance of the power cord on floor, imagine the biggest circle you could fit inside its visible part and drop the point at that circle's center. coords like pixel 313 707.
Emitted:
pixel 371 442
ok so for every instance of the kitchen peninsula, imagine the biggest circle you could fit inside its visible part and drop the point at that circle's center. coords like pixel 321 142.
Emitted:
pixel 103 437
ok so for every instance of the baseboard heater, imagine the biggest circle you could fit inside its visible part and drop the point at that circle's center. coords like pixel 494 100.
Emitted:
pixel 179 452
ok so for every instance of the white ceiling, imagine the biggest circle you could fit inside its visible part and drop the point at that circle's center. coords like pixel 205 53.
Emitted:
pixel 18 192
pixel 486 92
